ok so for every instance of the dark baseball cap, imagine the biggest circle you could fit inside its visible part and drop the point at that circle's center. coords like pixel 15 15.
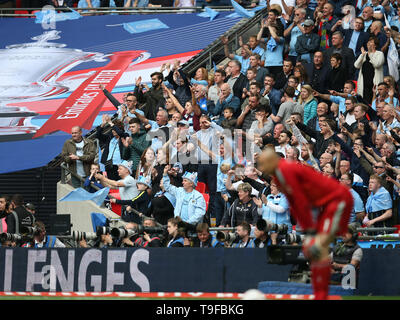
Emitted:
pixel 30 206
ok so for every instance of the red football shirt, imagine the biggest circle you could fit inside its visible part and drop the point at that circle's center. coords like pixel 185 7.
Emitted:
pixel 306 188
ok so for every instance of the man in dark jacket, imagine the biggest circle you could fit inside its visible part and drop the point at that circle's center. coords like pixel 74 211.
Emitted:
pixel 25 217
pixel 112 144
pixel 356 38
pixel 237 80
pixel 346 53
pixel 317 72
pixel 153 97
pixel 308 42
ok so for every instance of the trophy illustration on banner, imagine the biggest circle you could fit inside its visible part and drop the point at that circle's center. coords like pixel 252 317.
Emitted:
pixel 29 72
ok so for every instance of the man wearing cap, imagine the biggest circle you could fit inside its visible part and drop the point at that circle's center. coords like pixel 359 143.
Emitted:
pixel 127 185
pixel 31 208
pixel 308 42
pixel 190 204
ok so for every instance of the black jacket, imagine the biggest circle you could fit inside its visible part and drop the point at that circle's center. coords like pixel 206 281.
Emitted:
pixel 348 60
pixel 153 98
pixel 361 41
pixel 105 139
pixel 321 143
pixel 240 83
pixel 317 77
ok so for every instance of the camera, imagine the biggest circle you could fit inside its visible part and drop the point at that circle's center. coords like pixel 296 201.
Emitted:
pixel 80 235
pixel 10 237
pixel 265 225
pixel 294 238
pixel 188 229
pixel 291 254
pixel 227 237
pixel 150 230
pixel 284 254
pixel 30 231
pixel 103 230
pixel 122 233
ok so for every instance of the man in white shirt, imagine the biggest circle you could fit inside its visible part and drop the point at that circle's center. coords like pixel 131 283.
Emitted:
pixel 215 90
pixel 127 185
pixel 209 136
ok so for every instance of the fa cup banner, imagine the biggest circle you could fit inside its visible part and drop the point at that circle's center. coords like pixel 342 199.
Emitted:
pixel 50 73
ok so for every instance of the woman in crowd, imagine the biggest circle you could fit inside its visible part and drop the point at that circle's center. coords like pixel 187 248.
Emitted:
pixel 175 236
pixel 301 74
pixel 370 63
pixel 146 164
pixel 308 103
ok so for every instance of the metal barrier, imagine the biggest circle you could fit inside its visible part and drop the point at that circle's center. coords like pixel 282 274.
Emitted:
pixel 205 57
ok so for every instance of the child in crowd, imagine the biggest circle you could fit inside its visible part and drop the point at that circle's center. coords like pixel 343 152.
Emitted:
pixel 94 168
pixel 140 203
pixel 229 122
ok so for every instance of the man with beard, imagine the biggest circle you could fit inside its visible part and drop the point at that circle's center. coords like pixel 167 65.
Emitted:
pixel 153 97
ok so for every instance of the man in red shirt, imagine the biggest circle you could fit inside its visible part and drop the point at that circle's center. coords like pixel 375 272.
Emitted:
pixel 307 189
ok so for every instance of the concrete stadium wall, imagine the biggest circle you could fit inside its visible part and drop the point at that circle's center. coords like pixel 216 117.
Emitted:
pixel 79 210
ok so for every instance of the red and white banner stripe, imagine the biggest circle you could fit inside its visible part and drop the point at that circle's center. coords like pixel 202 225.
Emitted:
pixel 160 295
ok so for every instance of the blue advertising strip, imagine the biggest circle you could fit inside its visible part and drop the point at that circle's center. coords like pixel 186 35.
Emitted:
pixel 135 269
pixel 379 244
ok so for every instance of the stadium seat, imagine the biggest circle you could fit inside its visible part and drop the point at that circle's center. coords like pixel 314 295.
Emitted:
pixel 115 207
pixel 206 198
pixel 355 82
pixel 202 187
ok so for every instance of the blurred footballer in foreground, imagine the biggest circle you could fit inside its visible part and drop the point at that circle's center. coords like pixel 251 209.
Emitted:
pixel 307 189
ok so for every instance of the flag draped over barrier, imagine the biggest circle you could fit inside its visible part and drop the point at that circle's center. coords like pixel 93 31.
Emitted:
pixel 240 11
pixel 81 194
pixel 209 13
pixel 48 16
